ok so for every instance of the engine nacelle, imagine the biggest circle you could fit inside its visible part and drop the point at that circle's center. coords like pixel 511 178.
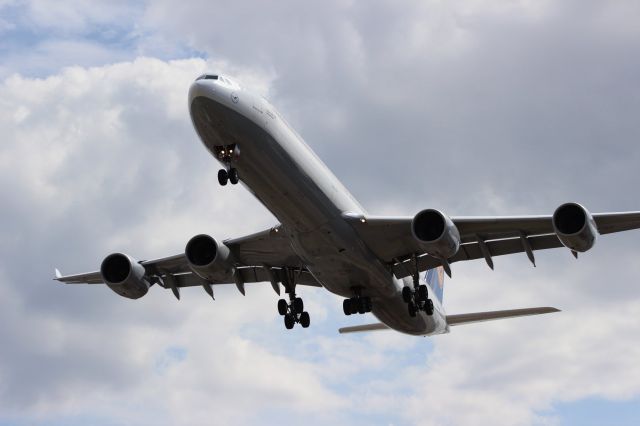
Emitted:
pixel 436 233
pixel 575 227
pixel 208 259
pixel 124 275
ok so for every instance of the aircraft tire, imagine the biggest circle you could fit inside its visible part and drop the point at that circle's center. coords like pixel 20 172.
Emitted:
pixel 429 307
pixel 289 321
pixel 406 294
pixel 354 306
pixel 298 305
pixel 233 176
pixel 223 177
pixel 362 307
pixel 305 320
pixel 282 307
pixel 423 292
pixel 367 303
pixel 346 306
pixel 412 310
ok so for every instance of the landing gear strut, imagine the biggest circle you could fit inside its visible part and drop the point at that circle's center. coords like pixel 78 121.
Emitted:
pixel 417 298
pixel 293 311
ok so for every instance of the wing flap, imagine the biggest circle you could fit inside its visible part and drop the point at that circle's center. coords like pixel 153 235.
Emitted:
pixel 460 319
pixel 472 251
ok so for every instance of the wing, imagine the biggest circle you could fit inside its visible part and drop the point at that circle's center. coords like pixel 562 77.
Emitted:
pixel 261 257
pixel 390 238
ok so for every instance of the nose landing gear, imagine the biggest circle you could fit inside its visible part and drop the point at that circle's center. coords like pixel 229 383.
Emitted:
pixel 225 176
pixel 227 154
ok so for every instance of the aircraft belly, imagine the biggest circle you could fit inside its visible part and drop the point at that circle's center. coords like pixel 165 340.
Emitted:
pixel 296 187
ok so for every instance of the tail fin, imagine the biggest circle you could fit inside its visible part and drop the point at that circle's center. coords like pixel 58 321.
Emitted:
pixel 435 278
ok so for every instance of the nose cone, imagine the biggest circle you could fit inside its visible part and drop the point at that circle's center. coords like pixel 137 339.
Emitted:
pixel 201 88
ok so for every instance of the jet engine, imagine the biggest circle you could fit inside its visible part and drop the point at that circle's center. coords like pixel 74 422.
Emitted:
pixel 436 233
pixel 208 259
pixel 124 275
pixel 575 227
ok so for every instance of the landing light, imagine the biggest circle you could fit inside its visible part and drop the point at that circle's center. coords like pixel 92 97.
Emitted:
pixel 363 220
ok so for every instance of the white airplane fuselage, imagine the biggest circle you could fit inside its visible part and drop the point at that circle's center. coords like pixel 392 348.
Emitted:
pixel 287 177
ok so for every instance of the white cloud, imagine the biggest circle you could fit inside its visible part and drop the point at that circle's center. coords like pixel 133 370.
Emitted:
pixel 490 108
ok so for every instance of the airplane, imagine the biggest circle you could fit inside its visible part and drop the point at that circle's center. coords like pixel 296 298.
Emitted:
pixel 393 267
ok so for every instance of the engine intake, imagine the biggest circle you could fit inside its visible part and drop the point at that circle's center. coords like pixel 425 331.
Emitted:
pixel 436 233
pixel 124 275
pixel 208 259
pixel 575 227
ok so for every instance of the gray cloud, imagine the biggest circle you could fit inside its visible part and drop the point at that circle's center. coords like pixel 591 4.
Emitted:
pixel 476 108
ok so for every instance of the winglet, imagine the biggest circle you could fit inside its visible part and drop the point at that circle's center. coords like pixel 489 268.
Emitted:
pixel 58 275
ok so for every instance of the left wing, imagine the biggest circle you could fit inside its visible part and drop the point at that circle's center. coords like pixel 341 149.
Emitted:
pixel 265 256
pixel 391 238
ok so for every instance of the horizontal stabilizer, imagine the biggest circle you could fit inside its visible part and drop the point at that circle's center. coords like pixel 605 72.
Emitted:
pixel 361 328
pixel 494 315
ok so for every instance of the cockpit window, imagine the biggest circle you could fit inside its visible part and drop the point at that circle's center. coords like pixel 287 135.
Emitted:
pixel 207 77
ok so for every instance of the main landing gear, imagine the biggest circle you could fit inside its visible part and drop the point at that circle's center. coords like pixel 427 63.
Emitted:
pixel 417 298
pixel 226 154
pixel 293 312
pixel 357 305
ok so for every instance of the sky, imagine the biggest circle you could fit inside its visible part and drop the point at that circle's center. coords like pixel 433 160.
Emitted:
pixel 473 107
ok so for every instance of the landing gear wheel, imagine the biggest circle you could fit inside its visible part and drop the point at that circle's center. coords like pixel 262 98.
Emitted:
pixel 423 293
pixel 289 321
pixel 305 320
pixel 223 177
pixel 233 176
pixel 297 305
pixel 346 306
pixel 353 304
pixel 367 304
pixel 406 294
pixel 282 307
pixel 412 309
pixel 362 307
pixel 428 307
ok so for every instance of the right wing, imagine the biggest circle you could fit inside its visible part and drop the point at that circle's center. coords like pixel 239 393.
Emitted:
pixel 390 238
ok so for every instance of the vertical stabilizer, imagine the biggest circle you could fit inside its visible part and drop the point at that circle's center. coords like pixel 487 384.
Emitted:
pixel 435 278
